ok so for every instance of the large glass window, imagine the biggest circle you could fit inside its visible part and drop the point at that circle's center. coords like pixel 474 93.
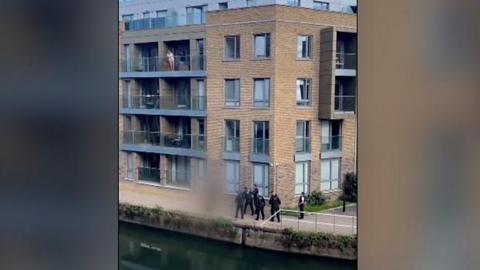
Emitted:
pixel 331 135
pixel 304 47
pixel 232 92
pixel 330 174
pixel 232 47
pixel 262 45
pixel 303 137
pixel 261 93
pixel 232 176
pixel 302 177
pixel 130 165
pixel 261 137
pixel 294 3
pixel 260 178
pixel 223 5
pixel 232 135
pixel 304 92
pixel 196 14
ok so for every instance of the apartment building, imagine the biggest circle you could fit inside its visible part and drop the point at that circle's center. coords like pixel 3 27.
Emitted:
pixel 238 95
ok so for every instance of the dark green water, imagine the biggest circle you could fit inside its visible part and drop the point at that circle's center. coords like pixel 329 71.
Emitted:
pixel 144 248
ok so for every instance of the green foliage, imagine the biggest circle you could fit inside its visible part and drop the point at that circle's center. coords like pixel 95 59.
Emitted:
pixel 315 198
pixel 350 187
pixel 177 220
pixel 302 240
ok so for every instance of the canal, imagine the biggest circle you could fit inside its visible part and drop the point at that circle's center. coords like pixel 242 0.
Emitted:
pixel 145 248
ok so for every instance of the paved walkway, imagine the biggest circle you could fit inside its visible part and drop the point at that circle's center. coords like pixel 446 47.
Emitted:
pixel 332 221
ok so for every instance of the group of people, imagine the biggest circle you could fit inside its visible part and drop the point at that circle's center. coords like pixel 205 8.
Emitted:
pixel 251 198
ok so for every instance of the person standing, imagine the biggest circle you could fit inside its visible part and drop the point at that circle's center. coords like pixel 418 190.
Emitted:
pixel 171 60
pixel 301 205
pixel 274 206
pixel 249 200
pixel 255 196
pixel 260 206
pixel 240 201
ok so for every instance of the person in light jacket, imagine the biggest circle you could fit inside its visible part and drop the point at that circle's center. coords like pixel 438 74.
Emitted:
pixel 301 205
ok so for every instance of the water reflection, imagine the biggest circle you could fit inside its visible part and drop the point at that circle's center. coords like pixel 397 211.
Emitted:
pixel 145 248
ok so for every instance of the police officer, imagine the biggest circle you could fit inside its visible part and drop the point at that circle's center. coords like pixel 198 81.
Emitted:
pixel 255 196
pixel 274 206
pixel 259 206
pixel 240 201
pixel 249 200
pixel 301 205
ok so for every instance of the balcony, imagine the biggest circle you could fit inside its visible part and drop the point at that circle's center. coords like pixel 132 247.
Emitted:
pixel 345 103
pixel 194 106
pixel 165 22
pixel 331 143
pixel 346 60
pixel 149 174
pixel 260 150
pixel 163 66
pixel 192 145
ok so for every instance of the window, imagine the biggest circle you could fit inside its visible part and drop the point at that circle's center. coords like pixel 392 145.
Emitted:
pixel 223 6
pixel 127 17
pixel 161 13
pixel 251 3
pixel 232 135
pixel 261 95
pixel 331 135
pixel 196 15
pixel 260 178
pixel 303 92
pixel 302 144
pixel 146 14
pixel 262 45
pixel 130 165
pixel 232 47
pixel 321 5
pixel 302 177
pixel 295 3
pixel 304 47
pixel 330 171
pixel 232 92
pixel 261 137
pixel 232 176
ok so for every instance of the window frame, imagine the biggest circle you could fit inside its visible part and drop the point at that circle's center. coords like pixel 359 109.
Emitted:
pixel 222 5
pixel 235 102
pixel 321 5
pixel 322 181
pixel 306 127
pixel 309 50
pixel 307 83
pixel 236 48
pixel 236 133
pixel 266 92
pixel 306 179
pixel 265 178
pixel 268 41
pixel 236 175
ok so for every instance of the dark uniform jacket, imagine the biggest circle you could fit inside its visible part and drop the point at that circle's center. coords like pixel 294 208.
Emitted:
pixel 275 202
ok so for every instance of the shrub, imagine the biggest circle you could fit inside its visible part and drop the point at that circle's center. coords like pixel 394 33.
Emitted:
pixel 304 240
pixel 350 187
pixel 315 198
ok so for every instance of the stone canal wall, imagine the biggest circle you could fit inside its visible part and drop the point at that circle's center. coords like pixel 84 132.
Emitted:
pixel 316 244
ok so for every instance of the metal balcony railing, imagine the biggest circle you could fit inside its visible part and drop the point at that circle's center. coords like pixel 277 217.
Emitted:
pixel 302 145
pixel 345 103
pixel 330 143
pixel 156 102
pixel 346 60
pixel 261 146
pixel 165 22
pixel 155 138
pixel 149 174
pixel 164 63
pixel 231 144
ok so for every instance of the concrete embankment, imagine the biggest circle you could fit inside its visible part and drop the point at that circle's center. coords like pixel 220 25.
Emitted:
pixel 316 244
